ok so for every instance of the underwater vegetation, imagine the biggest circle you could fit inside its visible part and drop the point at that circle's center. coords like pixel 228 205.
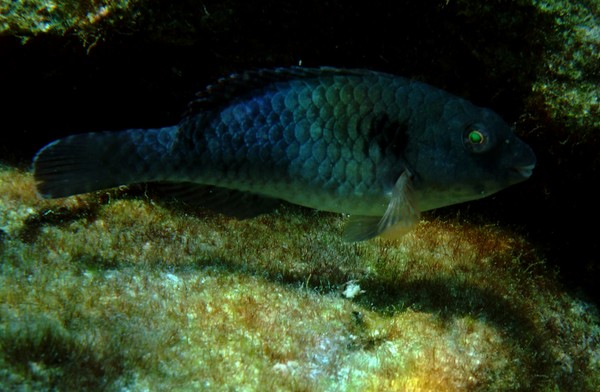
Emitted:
pixel 113 291
pixel 568 87
pixel 28 18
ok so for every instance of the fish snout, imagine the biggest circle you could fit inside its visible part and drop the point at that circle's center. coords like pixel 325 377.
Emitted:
pixel 523 162
pixel 524 171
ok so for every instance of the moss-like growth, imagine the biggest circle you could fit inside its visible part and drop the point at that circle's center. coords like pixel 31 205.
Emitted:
pixel 141 295
pixel 31 17
pixel 40 353
pixel 567 88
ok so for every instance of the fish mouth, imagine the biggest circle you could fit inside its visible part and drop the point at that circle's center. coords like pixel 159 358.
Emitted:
pixel 524 171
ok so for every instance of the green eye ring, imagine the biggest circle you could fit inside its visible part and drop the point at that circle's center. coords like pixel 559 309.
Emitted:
pixel 476 137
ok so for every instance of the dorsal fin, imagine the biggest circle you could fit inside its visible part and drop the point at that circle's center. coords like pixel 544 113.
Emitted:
pixel 239 84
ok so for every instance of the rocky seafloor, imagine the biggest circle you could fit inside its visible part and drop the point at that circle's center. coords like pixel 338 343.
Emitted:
pixel 110 292
pixel 117 291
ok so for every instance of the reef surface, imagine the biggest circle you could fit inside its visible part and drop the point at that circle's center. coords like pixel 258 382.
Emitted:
pixel 108 291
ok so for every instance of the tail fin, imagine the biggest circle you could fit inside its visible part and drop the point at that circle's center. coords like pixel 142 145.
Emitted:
pixel 94 161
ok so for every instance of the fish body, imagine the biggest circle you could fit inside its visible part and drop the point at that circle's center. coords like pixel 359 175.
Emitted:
pixel 376 146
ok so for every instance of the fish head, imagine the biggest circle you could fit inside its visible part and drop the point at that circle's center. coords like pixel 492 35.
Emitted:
pixel 474 156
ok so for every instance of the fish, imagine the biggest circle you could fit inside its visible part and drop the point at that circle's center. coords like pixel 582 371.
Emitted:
pixel 375 146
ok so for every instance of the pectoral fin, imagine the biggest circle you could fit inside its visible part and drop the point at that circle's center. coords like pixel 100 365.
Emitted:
pixel 400 217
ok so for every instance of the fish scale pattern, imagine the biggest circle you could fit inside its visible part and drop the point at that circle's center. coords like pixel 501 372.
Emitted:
pixel 366 143
pixel 315 132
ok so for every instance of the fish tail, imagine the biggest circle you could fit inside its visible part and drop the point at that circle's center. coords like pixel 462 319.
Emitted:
pixel 94 161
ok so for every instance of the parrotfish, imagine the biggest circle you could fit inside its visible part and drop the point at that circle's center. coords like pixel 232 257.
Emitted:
pixel 379 147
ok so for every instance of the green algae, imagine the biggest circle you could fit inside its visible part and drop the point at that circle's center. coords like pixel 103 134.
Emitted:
pixel 567 87
pixel 28 18
pixel 123 292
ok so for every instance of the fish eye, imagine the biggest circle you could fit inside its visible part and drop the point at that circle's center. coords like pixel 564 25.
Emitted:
pixel 476 138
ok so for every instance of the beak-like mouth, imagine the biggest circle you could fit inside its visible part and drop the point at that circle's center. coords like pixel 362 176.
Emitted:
pixel 524 171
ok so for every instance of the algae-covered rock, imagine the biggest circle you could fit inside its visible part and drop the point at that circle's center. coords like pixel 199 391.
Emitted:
pixel 111 292
pixel 30 18
pixel 567 88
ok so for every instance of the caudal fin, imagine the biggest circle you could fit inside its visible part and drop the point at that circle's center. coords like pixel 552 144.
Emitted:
pixel 93 161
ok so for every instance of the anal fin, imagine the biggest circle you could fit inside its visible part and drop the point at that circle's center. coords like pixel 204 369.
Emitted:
pixel 238 204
